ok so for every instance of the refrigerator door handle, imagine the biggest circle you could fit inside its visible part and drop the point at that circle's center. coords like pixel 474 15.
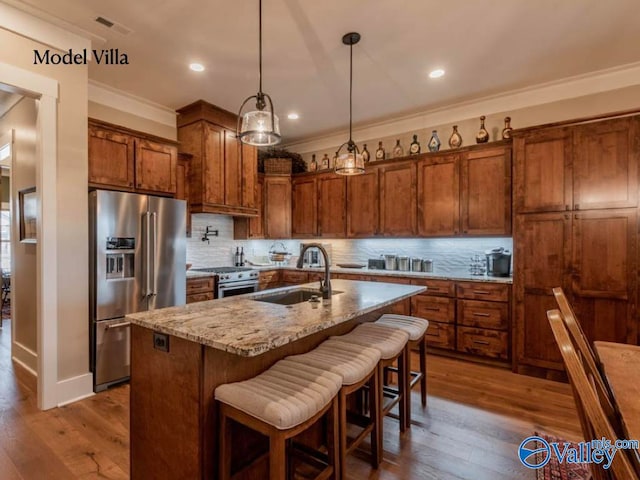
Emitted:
pixel 154 246
pixel 147 253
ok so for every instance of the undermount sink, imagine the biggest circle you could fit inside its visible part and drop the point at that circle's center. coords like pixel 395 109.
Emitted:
pixel 291 298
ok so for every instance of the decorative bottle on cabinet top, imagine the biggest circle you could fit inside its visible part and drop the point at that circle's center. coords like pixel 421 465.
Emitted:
pixel 398 151
pixel 380 152
pixel 325 162
pixel 366 156
pixel 506 131
pixel 434 142
pixel 482 136
pixel 414 148
pixel 314 164
pixel 455 140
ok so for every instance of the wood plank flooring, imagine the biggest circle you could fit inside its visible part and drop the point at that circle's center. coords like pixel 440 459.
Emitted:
pixel 475 419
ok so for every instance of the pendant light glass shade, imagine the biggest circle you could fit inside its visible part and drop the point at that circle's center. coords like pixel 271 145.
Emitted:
pixel 350 162
pixel 261 126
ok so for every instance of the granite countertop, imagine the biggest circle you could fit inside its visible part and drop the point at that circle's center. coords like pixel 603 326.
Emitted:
pixel 248 328
pixel 457 275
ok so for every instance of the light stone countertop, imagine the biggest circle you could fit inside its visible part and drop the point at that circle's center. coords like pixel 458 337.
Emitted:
pixel 461 275
pixel 248 328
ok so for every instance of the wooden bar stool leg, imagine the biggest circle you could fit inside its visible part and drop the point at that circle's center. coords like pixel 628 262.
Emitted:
pixel 402 391
pixel 342 460
pixel 333 439
pixel 375 410
pixel 224 465
pixel 277 457
pixel 423 370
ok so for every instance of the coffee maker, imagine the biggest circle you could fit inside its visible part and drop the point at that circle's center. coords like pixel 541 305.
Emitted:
pixel 498 262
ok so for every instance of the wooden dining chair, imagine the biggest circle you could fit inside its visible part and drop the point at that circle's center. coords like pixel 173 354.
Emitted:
pixel 593 419
pixel 587 355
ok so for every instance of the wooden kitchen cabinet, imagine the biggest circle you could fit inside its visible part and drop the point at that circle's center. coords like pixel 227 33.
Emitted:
pixel 439 196
pixel 398 199
pixel 543 178
pixel 245 228
pixel 485 200
pixel 277 206
pixel 126 160
pixel 304 205
pixel 200 289
pixel 332 197
pixel 155 167
pixel 269 279
pixel 363 204
pixel 182 184
pixel 111 158
pixel 605 170
pixel 223 171
pixel 294 277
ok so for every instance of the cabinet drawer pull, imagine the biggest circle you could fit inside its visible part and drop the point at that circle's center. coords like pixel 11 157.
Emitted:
pixel 481 342
pixel 432 309
pixel 433 289
pixel 478 314
pixel 481 292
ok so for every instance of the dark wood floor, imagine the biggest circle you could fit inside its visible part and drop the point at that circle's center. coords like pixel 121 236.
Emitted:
pixel 475 420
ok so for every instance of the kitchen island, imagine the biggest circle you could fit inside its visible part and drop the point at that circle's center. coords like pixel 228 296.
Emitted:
pixel 179 355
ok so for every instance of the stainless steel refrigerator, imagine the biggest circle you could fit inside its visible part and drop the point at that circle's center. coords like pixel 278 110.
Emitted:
pixel 137 249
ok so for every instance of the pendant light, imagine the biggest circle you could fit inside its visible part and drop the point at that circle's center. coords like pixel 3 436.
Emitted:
pixel 259 127
pixel 350 162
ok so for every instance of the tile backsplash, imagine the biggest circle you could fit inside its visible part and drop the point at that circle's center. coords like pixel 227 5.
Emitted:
pixel 448 254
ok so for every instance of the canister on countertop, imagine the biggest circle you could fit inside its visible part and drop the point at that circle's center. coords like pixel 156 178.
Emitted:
pixel 404 263
pixel 427 265
pixel 416 264
pixel 390 262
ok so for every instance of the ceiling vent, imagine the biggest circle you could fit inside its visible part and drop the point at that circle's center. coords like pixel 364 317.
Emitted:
pixel 118 27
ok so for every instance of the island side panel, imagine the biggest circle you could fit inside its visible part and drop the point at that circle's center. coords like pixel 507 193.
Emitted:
pixel 165 408
pixel 222 367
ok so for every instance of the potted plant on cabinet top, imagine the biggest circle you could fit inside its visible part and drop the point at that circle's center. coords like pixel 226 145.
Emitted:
pixel 280 161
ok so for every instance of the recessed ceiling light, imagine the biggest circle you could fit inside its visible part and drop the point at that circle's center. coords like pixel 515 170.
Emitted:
pixel 196 67
pixel 437 73
pixel 293 116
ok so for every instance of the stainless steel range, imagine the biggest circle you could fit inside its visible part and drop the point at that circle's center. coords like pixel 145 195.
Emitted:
pixel 233 280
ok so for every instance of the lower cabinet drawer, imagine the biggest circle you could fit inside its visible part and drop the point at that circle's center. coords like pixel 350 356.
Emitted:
pixel 293 276
pixel 199 297
pixel 440 309
pixel 200 285
pixel 478 341
pixel 441 335
pixel 474 313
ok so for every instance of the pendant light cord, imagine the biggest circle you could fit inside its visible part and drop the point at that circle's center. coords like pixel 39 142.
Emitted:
pixel 260 46
pixel 350 91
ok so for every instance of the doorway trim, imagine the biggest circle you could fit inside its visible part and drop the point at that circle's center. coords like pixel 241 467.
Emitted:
pixel 45 89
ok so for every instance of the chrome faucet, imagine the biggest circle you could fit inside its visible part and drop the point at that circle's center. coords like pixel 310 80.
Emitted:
pixel 325 286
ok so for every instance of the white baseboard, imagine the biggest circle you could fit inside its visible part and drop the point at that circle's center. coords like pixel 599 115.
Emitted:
pixel 75 388
pixel 26 357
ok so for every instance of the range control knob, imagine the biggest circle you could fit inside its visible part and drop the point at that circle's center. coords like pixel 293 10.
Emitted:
pixel 239 275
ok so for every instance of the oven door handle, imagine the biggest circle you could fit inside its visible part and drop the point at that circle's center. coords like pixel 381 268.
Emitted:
pixel 235 285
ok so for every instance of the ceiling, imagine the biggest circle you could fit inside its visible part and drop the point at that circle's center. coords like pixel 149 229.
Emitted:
pixel 485 46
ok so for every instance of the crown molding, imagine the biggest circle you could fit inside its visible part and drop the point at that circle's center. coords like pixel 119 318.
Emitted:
pixel 567 88
pixel 29 22
pixel 126 102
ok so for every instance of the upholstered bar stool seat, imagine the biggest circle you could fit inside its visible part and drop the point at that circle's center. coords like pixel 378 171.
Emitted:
pixel 358 366
pixel 280 403
pixel 392 345
pixel 416 327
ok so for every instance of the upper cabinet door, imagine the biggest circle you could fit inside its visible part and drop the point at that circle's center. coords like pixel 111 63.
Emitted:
pixel 486 192
pixel 232 170
pixel 606 165
pixel 439 196
pixel 542 172
pixel 212 170
pixel 363 204
pixel 277 207
pixel 332 197
pixel 111 158
pixel 398 199
pixel 304 207
pixel 249 176
pixel 156 166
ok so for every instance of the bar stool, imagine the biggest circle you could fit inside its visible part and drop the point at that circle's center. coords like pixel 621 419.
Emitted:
pixel 392 345
pixel 280 403
pixel 416 328
pixel 357 366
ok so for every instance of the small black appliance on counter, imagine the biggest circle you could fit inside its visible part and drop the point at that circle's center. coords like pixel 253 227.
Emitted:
pixel 376 264
pixel 498 262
